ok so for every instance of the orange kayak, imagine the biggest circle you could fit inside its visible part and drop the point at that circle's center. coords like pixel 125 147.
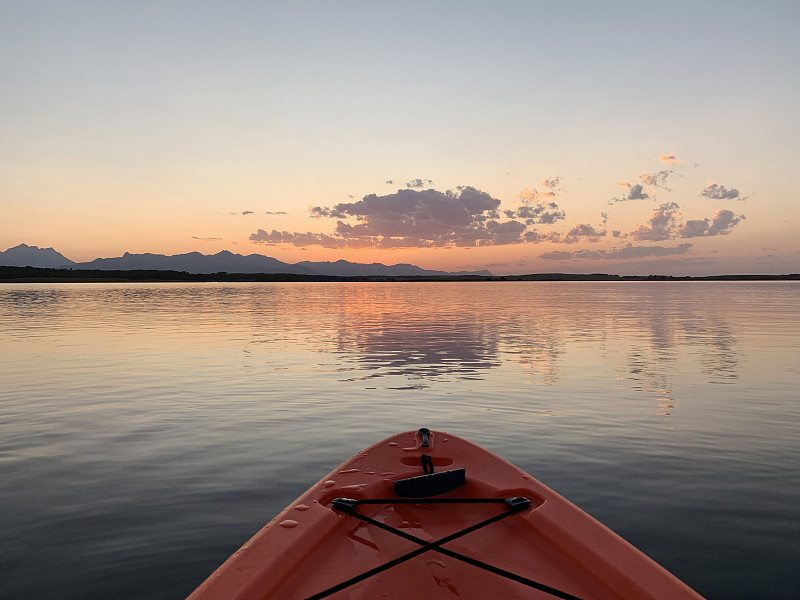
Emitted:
pixel 426 514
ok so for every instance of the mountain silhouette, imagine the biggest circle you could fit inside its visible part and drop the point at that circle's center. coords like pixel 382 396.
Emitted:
pixel 33 256
pixel 195 262
pixel 343 268
pixel 221 262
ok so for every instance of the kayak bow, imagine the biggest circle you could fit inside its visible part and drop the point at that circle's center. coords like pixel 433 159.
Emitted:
pixel 430 515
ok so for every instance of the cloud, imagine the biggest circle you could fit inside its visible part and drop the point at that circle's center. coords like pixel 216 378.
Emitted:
pixel 631 251
pixel 583 232
pixel 635 192
pixel 553 183
pixel 250 212
pixel 533 195
pixel 545 213
pixel 206 239
pixel 579 233
pixel 720 224
pixel 465 217
pixel 318 212
pixel 720 192
pixel 534 237
pixel 664 224
pixel 661 225
pixel 628 252
pixel 657 179
pixel 562 255
pixel 296 239
pixel 537 207
pixel 419 183
pixel 670 158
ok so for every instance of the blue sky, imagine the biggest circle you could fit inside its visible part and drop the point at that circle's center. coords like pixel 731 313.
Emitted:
pixel 177 126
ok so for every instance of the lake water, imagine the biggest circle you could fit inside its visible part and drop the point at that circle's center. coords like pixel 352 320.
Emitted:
pixel 148 430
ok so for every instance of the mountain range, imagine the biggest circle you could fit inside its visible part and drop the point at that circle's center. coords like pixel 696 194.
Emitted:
pixel 24 255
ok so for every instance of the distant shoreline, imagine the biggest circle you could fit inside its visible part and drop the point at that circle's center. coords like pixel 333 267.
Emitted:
pixel 46 275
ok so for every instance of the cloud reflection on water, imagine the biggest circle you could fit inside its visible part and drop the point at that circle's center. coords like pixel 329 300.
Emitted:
pixel 402 335
pixel 428 332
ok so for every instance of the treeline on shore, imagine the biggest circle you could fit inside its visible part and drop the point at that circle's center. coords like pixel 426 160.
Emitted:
pixel 45 275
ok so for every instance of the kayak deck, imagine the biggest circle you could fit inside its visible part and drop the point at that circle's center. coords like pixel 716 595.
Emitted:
pixel 315 545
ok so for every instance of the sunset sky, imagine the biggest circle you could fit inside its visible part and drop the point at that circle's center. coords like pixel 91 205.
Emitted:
pixel 619 137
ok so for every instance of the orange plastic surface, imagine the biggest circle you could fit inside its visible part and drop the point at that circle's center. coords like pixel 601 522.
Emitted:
pixel 310 547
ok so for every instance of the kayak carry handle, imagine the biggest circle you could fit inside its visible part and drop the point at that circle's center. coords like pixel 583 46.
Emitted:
pixel 424 432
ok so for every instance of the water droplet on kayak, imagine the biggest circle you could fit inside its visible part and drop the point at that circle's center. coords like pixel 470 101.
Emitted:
pixel 288 523
pixel 301 507
pixel 329 484
pixel 349 471
pixel 354 488
pixel 393 444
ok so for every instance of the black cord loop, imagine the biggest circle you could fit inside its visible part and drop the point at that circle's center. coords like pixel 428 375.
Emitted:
pixel 427 464
pixel 513 505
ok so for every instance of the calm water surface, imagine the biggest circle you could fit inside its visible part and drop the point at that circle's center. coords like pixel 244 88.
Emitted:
pixel 148 430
